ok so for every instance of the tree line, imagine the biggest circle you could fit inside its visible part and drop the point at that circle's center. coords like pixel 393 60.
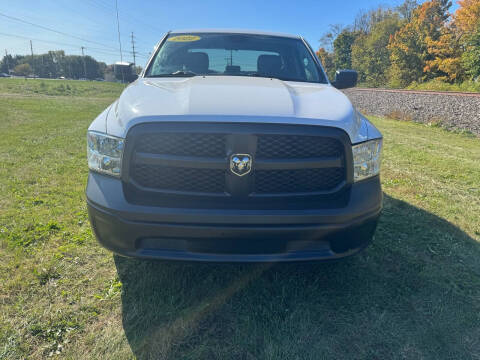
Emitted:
pixel 53 64
pixel 413 42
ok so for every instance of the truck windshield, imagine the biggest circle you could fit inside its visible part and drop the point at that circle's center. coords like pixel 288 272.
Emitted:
pixel 210 54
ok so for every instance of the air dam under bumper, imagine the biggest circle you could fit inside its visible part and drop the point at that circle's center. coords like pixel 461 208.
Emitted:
pixel 232 235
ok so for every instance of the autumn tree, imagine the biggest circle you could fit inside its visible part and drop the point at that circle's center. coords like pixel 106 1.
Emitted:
pixel 467 16
pixel 445 54
pixel 370 56
pixel 457 50
pixel 405 56
pixel 327 61
pixel 411 47
pixel 408 43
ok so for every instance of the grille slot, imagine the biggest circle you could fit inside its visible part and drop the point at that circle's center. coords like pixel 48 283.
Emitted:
pixel 298 181
pixel 189 144
pixel 297 147
pixel 180 179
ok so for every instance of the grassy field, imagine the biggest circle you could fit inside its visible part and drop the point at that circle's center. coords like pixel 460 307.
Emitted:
pixel 437 85
pixel 414 294
pixel 46 87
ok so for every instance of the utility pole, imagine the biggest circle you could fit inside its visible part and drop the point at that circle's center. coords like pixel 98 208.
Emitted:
pixel 84 65
pixel 119 41
pixel 42 69
pixel 118 30
pixel 133 51
pixel 33 61
pixel 6 59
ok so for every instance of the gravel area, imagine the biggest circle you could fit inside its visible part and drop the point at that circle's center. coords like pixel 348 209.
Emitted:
pixel 451 111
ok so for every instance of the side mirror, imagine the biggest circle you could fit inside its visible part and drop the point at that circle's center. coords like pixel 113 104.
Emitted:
pixel 133 78
pixel 345 79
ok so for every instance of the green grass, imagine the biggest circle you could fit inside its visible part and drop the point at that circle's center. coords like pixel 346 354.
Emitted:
pixel 59 88
pixel 437 85
pixel 414 294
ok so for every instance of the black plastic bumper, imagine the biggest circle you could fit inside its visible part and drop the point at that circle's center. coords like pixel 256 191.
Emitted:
pixel 232 235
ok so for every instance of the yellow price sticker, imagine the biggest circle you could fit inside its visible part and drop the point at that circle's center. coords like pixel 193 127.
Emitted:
pixel 184 38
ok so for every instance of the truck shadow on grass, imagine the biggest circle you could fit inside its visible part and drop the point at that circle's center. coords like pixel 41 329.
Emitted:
pixel 414 293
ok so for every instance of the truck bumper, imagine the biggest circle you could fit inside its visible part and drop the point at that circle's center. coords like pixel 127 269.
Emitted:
pixel 231 235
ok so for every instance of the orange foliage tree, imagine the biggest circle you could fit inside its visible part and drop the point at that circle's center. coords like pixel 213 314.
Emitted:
pixel 418 49
pixel 327 61
pixel 446 57
pixel 467 16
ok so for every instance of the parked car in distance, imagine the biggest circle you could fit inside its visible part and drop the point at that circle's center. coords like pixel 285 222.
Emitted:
pixel 234 146
pixel 4 75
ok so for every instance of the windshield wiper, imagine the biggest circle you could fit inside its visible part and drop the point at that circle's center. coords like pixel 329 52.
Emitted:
pixel 183 73
pixel 255 74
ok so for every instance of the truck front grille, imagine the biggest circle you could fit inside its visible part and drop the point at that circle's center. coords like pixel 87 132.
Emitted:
pixel 186 144
pixel 180 179
pixel 297 181
pixel 297 147
pixel 193 160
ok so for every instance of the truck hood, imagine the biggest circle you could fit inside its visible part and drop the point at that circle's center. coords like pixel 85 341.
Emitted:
pixel 232 99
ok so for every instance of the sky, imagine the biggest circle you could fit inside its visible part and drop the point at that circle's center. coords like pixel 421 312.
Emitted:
pixel 93 23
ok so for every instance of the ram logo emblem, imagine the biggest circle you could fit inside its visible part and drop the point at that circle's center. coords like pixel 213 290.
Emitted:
pixel 240 164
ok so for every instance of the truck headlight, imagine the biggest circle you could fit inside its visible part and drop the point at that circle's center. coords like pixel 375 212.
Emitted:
pixel 366 159
pixel 105 153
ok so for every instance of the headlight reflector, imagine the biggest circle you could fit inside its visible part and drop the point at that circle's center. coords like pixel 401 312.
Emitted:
pixel 104 153
pixel 366 159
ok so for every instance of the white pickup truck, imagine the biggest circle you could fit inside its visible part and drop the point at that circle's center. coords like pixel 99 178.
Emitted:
pixel 234 146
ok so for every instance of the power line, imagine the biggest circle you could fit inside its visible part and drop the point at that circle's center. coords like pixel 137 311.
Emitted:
pixel 91 24
pixel 127 19
pixel 130 19
pixel 103 51
pixel 68 34
pixel 53 30
pixel 99 50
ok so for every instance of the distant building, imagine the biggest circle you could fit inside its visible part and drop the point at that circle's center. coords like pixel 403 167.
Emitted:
pixel 124 71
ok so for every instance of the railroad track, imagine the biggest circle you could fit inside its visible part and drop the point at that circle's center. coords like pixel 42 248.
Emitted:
pixel 422 92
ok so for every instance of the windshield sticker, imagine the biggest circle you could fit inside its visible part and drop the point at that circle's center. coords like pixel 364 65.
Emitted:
pixel 184 38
